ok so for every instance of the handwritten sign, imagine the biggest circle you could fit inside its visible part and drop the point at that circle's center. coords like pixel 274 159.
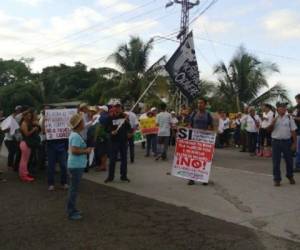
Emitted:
pixel 193 154
pixel 148 126
pixel 57 123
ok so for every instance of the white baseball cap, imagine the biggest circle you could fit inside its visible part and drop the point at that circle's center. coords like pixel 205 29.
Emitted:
pixel 104 107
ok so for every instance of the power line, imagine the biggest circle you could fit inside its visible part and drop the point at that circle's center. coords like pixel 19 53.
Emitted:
pixel 213 2
pixel 254 50
pixel 106 37
pixel 97 25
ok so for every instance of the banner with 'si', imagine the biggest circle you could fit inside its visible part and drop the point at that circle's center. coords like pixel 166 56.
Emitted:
pixel 194 154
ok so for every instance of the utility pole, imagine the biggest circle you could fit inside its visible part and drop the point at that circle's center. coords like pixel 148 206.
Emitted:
pixel 186 6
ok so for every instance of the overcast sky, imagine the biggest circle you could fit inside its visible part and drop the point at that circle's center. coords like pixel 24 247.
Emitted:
pixel 56 31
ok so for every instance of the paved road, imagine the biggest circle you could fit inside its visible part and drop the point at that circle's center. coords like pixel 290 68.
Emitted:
pixel 241 191
pixel 32 218
pixel 157 211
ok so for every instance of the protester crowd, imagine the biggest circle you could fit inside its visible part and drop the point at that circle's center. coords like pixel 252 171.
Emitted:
pixel 103 135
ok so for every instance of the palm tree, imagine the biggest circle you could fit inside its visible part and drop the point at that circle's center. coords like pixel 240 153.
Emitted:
pixel 244 78
pixel 134 73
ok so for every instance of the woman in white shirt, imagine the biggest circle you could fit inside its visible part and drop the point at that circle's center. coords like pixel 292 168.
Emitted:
pixel 264 134
pixel 252 127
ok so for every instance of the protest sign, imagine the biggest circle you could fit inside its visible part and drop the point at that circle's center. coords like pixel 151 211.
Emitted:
pixel 194 153
pixel 148 126
pixel 57 123
pixel 138 137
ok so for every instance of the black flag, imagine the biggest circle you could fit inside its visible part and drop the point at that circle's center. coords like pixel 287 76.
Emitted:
pixel 183 68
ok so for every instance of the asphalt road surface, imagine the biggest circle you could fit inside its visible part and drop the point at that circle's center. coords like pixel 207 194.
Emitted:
pixel 33 218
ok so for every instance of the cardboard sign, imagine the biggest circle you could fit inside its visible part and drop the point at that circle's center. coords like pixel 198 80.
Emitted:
pixel 138 137
pixel 194 153
pixel 148 126
pixel 57 123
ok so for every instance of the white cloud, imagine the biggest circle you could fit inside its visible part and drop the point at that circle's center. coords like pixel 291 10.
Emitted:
pixel 213 26
pixel 33 2
pixel 283 24
pixel 119 6
pixel 80 18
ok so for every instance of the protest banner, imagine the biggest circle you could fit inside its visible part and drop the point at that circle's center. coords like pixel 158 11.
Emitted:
pixel 148 126
pixel 138 137
pixel 193 154
pixel 183 68
pixel 57 123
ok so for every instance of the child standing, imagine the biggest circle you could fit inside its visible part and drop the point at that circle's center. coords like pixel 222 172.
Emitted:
pixel 77 161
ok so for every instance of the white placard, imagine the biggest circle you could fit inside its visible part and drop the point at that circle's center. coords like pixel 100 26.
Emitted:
pixel 57 123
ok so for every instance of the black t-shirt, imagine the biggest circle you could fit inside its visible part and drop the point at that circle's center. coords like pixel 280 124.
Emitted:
pixel 298 122
pixel 113 123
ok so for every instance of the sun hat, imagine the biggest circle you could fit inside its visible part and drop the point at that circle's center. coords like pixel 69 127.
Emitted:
pixel 83 105
pixel 93 108
pixel 75 120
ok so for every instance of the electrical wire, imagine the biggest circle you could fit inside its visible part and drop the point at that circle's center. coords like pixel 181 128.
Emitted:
pixel 105 37
pixel 94 26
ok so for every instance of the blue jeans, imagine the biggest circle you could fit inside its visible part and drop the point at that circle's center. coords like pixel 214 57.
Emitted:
pixel 76 174
pixel 298 152
pixel 57 152
pixel 282 147
pixel 163 143
pixel 151 144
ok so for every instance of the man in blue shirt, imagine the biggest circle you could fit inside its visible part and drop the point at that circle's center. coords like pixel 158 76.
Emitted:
pixel 201 119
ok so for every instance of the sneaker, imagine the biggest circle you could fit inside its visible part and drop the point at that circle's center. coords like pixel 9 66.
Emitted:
pixel 276 183
pixel 75 216
pixel 65 187
pixel 292 180
pixel 125 179
pixel 191 182
pixel 51 188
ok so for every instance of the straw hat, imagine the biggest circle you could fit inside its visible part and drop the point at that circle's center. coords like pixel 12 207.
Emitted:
pixel 75 120
pixel 93 108
pixel 83 105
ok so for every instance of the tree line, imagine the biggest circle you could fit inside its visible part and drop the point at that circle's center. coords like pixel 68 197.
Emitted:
pixel 240 82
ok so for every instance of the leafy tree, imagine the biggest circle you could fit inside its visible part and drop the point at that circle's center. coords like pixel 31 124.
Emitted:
pixel 132 61
pixel 61 83
pixel 12 71
pixel 243 79
pixel 20 94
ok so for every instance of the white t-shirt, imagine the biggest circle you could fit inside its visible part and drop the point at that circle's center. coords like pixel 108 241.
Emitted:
pixel 164 119
pixel 251 124
pixel 223 125
pixel 174 122
pixel 268 118
pixel 133 120
pixel 283 127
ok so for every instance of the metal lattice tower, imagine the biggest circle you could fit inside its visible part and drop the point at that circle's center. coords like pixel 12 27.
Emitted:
pixel 185 13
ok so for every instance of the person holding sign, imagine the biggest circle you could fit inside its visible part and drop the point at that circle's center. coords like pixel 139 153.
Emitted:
pixel 77 161
pixel 201 119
